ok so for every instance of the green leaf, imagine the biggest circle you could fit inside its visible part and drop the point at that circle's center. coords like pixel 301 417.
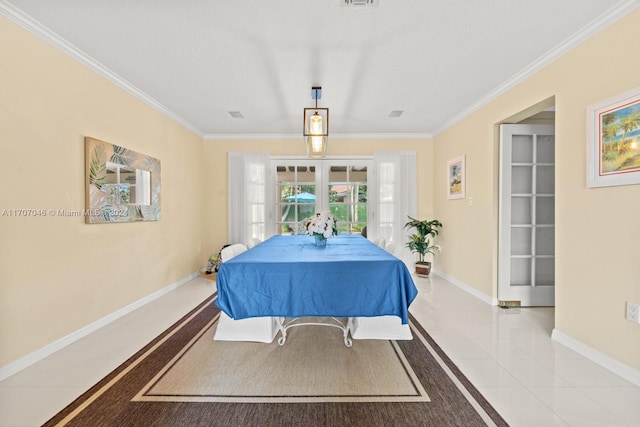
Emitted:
pixel 122 156
pixel 420 242
pixel 98 168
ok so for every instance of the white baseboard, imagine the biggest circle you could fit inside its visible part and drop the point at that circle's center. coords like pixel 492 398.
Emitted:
pixel 31 358
pixel 618 368
pixel 628 373
pixel 467 288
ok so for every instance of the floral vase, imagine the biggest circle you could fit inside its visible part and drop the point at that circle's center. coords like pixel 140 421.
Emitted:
pixel 320 240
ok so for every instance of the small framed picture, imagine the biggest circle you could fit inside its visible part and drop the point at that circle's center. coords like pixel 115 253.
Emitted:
pixel 456 178
pixel 613 141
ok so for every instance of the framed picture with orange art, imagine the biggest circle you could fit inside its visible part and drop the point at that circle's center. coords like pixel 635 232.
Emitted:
pixel 613 141
pixel 456 178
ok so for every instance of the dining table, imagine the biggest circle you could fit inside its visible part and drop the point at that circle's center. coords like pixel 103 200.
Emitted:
pixel 289 277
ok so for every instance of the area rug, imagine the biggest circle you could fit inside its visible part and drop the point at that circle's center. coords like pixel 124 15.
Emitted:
pixel 184 378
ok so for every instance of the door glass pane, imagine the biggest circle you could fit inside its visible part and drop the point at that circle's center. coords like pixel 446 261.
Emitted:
pixel 545 238
pixel 520 272
pixel 545 149
pixel 545 271
pixel 545 207
pixel 347 188
pixel 520 241
pixel 522 149
pixel 521 210
pixel 296 197
pixel 545 180
pixel 521 179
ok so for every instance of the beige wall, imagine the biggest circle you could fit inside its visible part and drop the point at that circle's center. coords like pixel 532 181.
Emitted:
pixel 215 153
pixel 597 232
pixel 58 274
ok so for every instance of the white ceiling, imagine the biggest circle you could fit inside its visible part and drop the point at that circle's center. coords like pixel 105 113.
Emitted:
pixel 197 60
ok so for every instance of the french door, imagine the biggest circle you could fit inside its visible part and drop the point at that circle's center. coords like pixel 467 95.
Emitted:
pixel 305 187
pixel 527 221
pixel 271 195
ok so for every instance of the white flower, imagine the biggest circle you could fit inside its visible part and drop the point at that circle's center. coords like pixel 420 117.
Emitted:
pixel 323 223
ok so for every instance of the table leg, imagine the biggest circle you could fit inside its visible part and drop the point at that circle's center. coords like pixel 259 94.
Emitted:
pixel 283 325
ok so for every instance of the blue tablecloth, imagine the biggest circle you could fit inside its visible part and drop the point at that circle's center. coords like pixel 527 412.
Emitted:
pixel 289 276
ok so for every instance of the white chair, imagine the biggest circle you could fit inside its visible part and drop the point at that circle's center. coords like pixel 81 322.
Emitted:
pixel 231 251
pixel 391 247
pixel 380 241
pixel 258 329
pixel 405 255
pixel 379 328
pixel 253 242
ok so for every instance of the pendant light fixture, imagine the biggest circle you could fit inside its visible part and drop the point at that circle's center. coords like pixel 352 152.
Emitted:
pixel 316 126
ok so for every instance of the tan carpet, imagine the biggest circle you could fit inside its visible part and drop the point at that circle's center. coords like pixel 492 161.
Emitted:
pixel 313 366
pixel 184 378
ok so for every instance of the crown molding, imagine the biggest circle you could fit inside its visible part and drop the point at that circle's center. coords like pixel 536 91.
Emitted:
pixel 252 136
pixel 612 15
pixel 588 31
pixel 30 24
pixel 382 136
pixel 248 136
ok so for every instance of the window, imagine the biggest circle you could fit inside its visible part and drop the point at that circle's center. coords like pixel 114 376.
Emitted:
pixel 344 185
pixel 296 190
pixel 347 191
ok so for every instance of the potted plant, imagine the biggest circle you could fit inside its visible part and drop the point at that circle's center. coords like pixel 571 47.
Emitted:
pixel 420 242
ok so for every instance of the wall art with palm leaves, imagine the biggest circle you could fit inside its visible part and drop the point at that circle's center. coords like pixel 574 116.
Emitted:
pixel 613 141
pixel 121 184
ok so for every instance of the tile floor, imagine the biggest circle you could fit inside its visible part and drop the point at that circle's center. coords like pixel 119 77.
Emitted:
pixel 508 354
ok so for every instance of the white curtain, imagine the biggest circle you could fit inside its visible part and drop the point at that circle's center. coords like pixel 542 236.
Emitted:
pixel 250 197
pixel 395 195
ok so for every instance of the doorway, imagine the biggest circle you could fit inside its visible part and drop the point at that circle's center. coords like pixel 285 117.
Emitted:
pixel 305 187
pixel 526 250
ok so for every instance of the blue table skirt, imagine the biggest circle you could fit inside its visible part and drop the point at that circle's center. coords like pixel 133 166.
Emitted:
pixel 289 276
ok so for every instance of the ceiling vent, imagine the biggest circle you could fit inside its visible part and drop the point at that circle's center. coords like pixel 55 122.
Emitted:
pixel 360 3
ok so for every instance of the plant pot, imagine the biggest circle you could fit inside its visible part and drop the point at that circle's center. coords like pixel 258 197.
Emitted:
pixel 423 268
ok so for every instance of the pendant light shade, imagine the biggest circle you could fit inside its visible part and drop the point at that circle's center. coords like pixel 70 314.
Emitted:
pixel 316 127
